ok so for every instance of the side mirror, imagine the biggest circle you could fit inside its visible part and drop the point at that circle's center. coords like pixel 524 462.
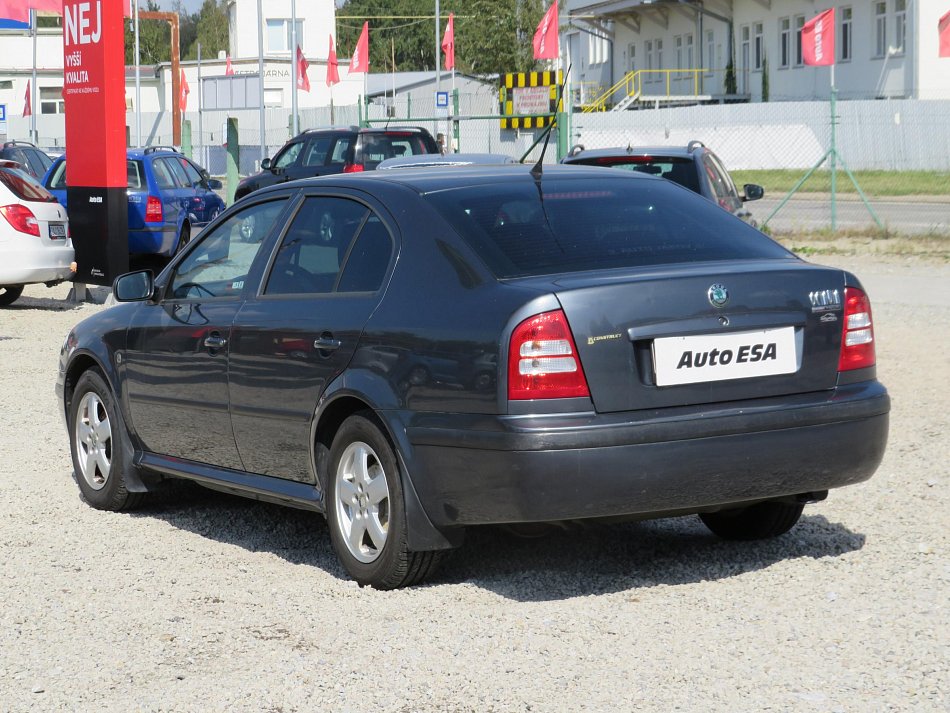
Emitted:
pixel 134 286
pixel 265 164
pixel 214 184
pixel 752 192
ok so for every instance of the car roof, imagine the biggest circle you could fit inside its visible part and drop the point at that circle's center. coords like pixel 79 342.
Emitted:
pixel 141 153
pixel 449 159
pixel 362 130
pixel 432 179
pixel 673 151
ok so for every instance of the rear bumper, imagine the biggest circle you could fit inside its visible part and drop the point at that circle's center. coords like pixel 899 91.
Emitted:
pixel 24 267
pixel 588 465
pixel 152 241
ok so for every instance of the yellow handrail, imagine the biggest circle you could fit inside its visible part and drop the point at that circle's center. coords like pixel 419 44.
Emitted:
pixel 632 84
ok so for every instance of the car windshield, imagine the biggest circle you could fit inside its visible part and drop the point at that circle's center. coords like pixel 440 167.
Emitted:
pixel 673 168
pixel 24 186
pixel 590 224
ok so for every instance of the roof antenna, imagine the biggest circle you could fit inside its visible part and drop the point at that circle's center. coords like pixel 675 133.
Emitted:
pixel 536 169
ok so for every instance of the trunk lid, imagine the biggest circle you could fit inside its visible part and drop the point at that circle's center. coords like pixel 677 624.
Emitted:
pixel 655 339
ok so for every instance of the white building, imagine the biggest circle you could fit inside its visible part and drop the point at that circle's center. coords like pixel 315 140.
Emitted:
pixel 680 48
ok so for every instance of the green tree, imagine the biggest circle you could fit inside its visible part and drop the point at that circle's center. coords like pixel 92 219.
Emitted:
pixel 491 36
pixel 211 30
pixel 155 37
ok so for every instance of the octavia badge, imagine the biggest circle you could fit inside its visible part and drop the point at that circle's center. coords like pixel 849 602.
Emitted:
pixel 718 295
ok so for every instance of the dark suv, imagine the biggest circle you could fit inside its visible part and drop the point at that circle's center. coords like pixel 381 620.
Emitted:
pixel 321 152
pixel 694 167
pixel 33 161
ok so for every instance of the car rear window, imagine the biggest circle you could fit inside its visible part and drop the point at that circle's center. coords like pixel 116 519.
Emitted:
pixel 678 169
pixel 136 180
pixel 393 144
pixel 593 224
pixel 24 186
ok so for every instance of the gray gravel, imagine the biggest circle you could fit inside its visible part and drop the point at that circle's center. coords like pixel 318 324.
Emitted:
pixel 205 602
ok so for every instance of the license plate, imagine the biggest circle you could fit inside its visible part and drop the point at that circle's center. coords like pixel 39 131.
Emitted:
pixel 718 357
pixel 57 230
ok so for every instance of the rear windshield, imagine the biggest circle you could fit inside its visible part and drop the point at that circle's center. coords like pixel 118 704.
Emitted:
pixel 393 144
pixel 673 168
pixel 593 224
pixel 24 186
pixel 136 179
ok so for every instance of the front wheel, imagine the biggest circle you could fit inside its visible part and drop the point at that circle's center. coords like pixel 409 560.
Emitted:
pixel 754 522
pixel 365 510
pixel 10 294
pixel 98 443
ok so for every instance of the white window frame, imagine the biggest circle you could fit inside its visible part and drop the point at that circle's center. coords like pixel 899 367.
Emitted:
pixel 285 35
pixel 632 57
pixel 847 34
pixel 688 39
pixel 710 51
pixel 798 24
pixel 53 102
pixel 758 45
pixel 900 26
pixel 678 44
pixel 879 13
pixel 784 42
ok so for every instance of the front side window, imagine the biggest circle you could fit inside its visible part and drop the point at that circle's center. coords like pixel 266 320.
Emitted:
pixel 175 168
pixel 218 265
pixel 163 177
pixel 288 157
pixel 191 173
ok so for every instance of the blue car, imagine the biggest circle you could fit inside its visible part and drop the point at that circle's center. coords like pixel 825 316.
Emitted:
pixel 171 198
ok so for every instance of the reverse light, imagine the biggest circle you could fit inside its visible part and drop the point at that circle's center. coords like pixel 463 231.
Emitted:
pixel 153 210
pixel 352 168
pixel 21 219
pixel 857 332
pixel 542 360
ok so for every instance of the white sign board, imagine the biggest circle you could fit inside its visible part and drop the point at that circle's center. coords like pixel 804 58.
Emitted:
pixel 531 101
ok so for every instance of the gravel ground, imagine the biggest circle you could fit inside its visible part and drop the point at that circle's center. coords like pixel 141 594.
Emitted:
pixel 205 602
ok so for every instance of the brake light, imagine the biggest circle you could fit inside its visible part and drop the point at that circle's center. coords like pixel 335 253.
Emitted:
pixel 352 168
pixel 542 360
pixel 857 333
pixel 153 210
pixel 614 160
pixel 21 219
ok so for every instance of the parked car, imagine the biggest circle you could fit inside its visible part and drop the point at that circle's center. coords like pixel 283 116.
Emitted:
pixel 324 152
pixel 448 159
pixel 694 166
pixel 324 344
pixel 34 234
pixel 32 160
pixel 171 198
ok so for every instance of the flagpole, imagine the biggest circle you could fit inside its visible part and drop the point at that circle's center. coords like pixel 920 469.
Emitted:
pixel 200 127
pixel 293 64
pixel 138 81
pixel 33 133
pixel 438 60
pixel 260 76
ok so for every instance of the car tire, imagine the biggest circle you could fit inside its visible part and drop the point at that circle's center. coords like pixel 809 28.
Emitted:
pixel 10 294
pixel 99 445
pixel 366 511
pixel 755 522
pixel 184 237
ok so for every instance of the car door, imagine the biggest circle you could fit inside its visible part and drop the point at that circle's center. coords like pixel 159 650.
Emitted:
pixel 290 341
pixel 177 358
pixel 203 203
pixel 169 193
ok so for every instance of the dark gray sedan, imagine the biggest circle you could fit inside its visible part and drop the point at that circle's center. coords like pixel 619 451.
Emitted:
pixel 415 352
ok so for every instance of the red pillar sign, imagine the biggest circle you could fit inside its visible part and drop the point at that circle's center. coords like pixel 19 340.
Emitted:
pixel 94 91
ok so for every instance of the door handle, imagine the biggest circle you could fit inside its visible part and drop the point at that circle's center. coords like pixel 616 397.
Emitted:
pixel 215 341
pixel 326 344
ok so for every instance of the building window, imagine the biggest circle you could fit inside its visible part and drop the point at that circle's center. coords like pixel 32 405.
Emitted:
pixel 51 100
pixel 710 51
pixel 784 42
pixel 648 51
pixel 900 25
pixel 678 43
pixel 758 44
pixel 689 51
pixel 279 35
pixel 880 29
pixel 846 34
pixel 659 54
pixel 596 49
pixel 799 24
pixel 632 57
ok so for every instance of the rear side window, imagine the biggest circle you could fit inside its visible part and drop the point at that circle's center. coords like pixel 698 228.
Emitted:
pixel 316 152
pixel 136 179
pixel 341 151
pixel 174 167
pixel 162 175
pixel 594 224
pixel 57 181
pixel 24 186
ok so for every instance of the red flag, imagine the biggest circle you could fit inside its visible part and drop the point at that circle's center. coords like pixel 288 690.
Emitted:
pixel 228 69
pixel 303 81
pixel 943 27
pixel 546 36
pixel 360 60
pixel 183 91
pixel 28 105
pixel 448 42
pixel 333 74
pixel 818 39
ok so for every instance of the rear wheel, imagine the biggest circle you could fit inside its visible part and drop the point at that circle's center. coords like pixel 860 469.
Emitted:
pixel 98 443
pixel 755 522
pixel 10 294
pixel 365 510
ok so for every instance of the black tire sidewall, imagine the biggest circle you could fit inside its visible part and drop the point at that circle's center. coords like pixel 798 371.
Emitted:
pixel 113 495
pixel 10 294
pixel 383 572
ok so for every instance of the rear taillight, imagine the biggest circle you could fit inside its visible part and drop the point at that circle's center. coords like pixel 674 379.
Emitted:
pixel 542 360
pixel 153 210
pixel 352 168
pixel 21 219
pixel 857 334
